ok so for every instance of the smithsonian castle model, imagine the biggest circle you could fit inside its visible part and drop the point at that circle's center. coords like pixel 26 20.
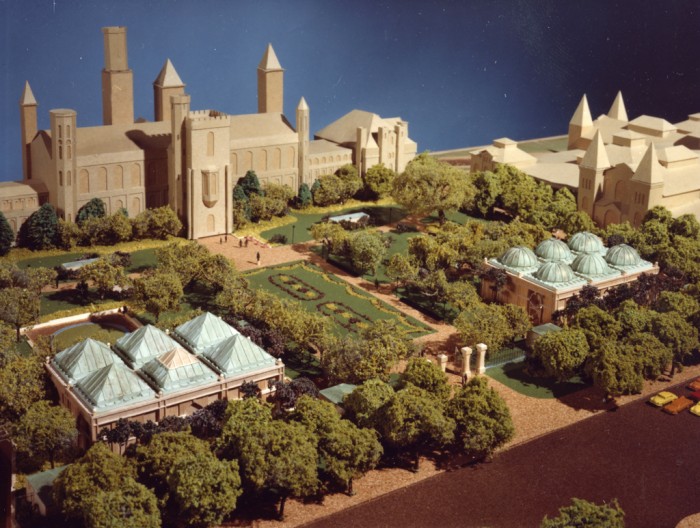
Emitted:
pixel 188 159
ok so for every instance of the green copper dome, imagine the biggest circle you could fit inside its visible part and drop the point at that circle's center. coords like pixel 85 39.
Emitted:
pixel 519 257
pixel 555 272
pixel 622 255
pixel 585 242
pixel 591 265
pixel 553 249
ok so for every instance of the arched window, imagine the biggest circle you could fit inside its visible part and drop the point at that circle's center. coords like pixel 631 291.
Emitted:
pixel 135 175
pixel 60 178
pixel 69 151
pixel 68 178
pixel 101 179
pixel 118 177
pixel 83 182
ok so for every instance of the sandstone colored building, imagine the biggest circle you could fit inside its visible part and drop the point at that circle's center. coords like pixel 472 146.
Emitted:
pixel 543 281
pixel 187 159
pixel 619 168
pixel 149 375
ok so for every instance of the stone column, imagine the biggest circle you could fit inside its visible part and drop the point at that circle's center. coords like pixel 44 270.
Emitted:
pixel 442 361
pixel 481 365
pixel 466 359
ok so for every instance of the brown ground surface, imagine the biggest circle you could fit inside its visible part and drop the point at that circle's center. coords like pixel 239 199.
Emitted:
pixel 645 458
pixel 533 418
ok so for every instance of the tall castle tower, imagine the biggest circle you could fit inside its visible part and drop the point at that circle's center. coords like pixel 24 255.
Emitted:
pixel 167 84
pixel 270 83
pixel 647 185
pixel 63 153
pixel 117 79
pixel 591 175
pixel 28 126
pixel 303 133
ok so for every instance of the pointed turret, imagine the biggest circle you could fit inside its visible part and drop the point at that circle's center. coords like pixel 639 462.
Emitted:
pixel 28 127
pixel 596 157
pixel 27 98
pixel 269 61
pixel 270 83
pixel 582 115
pixel 166 85
pixel 618 110
pixel 649 170
pixel 581 126
pixel 302 105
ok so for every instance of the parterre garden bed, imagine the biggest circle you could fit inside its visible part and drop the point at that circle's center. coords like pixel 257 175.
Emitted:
pixel 350 308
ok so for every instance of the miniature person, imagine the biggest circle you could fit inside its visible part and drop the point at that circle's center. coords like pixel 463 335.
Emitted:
pixel 246 241
pixel 240 242
pixel 226 239
pixel 221 240
pixel 257 258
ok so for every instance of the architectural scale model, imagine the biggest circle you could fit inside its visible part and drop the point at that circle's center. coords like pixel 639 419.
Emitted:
pixel 543 281
pixel 621 168
pixel 188 159
pixel 150 375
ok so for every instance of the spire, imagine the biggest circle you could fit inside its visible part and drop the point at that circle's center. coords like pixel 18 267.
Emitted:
pixel 649 170
pixel 302 105
pixel 582 116
pixel 168 77
pixel 618 110
pixel 596 157
pixel 27 98
pixel 269 61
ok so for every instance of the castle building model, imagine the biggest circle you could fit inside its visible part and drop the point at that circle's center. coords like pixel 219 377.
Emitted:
pixel 619 168
pixel 187 159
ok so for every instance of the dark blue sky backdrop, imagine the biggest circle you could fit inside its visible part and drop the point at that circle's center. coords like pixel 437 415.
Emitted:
pixel 460 72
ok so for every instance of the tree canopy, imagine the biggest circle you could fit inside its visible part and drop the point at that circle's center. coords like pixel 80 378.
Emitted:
pixel 45 431
pixel 7 237
pixel 584 514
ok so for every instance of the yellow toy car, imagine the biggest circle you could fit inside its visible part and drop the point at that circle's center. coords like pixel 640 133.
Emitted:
pixel 695 409
pixel 662 398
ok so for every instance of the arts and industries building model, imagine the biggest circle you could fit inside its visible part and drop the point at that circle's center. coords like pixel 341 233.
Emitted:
pixel 188 159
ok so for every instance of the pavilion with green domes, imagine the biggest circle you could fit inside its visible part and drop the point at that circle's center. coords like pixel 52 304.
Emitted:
pixel 150 374
pixel 542 281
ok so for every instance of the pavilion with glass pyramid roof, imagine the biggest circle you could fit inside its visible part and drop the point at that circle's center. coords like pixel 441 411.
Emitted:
pixel 542 281
pixel 149 374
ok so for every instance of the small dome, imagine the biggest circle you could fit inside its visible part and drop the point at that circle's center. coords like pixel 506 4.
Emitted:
pixel 590 264
pixel 555 272
pixel 519 257
pixel 553 249
pixel 622 255
pixel 585 242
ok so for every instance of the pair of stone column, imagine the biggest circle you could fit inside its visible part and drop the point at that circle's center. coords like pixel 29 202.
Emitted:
pixel 466 358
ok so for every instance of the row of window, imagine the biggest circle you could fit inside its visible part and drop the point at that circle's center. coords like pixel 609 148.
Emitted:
pixel 17 204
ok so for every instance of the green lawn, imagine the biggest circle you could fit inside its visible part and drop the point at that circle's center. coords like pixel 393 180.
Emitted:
pixel 73 334
pixel 513 375
pixel 140 260
pixel 349 307
pixel 384 214
pixel 52 302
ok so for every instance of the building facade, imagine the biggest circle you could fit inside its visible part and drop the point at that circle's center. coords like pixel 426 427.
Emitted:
pixel 150 375
pixel 543 281
pixel 187 159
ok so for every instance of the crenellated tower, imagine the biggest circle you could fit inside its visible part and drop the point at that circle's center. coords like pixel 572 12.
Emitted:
pixel 270 83
pixel 63 154
pixel 166 85
pixel 117 79
pixel 303 134
pixel 28 127
pixel 177 185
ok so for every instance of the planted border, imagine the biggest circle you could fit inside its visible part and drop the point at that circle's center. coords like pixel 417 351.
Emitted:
pixel 344 315
pixel 288 284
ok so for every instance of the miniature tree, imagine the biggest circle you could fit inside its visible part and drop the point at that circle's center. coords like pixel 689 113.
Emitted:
pixel 584 514
pixel 250 184
pixel 413 420
pixel 22 382
pixel 363 403
pixel 158 292
pixel 304 197
pixel 103 275
pixel 428 376
pixel 562 354
pixel 378 181
pixel 7 237
pixel 40 230
pixel 428 185
pixel 483 420
pixel 366 251
pixel 346 451
pixel 351 180
pixel 19 307
pixel 45 431
pixel 95 208
pixel 132 505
